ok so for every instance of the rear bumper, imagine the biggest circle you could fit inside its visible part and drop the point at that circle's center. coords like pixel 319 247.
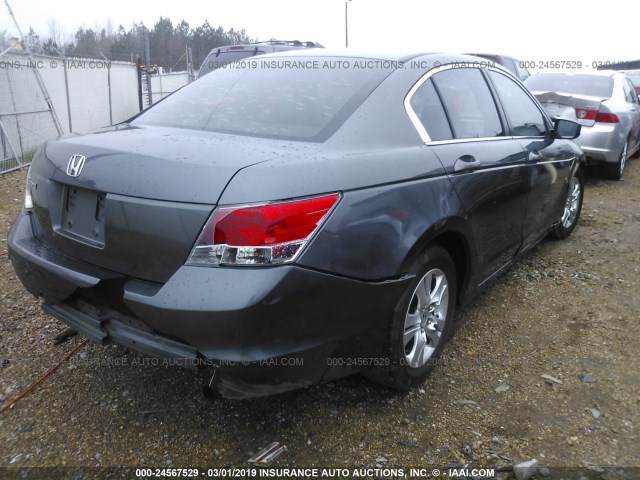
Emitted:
pixel 603 142
pixel 265 329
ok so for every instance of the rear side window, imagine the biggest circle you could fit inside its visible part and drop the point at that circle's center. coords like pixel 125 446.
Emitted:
pixel 593 85
pixel 634 77
pixel 525 119
pixel 634 93
pixel 468 103
pixel 629 93
pixel 427 107
pixel 510 65
pixel 521 72
pixel 294 100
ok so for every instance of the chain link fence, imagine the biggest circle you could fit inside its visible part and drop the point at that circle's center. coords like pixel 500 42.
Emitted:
pixel 26 119
pixel 164 84
pixel 42 97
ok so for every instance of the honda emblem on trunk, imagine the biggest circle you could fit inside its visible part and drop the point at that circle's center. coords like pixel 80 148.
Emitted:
pixel 76 162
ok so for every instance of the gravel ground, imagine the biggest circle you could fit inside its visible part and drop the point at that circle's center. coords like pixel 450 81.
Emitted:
pixel 569 309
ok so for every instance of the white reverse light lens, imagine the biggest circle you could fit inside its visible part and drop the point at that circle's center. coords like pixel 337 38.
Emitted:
pixel 28 201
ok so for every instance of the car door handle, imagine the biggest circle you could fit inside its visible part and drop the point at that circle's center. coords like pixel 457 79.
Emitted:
pixel 466 162
pixel 534 156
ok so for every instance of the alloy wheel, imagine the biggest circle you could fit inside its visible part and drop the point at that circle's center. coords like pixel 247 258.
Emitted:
pixel 572 204
pixel 623 158
pixel 425 318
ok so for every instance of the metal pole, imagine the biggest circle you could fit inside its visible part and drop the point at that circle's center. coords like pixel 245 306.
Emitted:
pixel 148 60
pixel 66 87
pixel 139 74
pixel 4 146
pixel 6 51
pixel 190 73
pixel 6 135
pixel 346 24
pixel 109 88
pixel 41 84
pixel 17 115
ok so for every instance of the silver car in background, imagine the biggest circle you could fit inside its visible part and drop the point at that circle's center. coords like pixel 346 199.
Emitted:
pixel 605 103
pixel 634 76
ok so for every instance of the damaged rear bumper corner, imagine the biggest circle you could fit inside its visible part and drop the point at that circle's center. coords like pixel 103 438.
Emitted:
pixel 247 323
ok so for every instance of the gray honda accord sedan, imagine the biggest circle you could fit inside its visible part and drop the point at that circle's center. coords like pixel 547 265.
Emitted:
pixel 299 217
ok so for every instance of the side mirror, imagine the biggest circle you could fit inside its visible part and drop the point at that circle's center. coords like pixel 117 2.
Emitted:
pixel 566 128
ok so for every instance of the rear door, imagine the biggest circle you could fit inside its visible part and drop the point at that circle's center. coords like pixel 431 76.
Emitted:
pixel 633 110
pixel 487 167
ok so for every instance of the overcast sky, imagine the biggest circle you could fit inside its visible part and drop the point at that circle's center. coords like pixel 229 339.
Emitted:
pixel 534 31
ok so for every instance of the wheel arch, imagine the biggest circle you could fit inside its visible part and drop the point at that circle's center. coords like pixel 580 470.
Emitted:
pixel 454 237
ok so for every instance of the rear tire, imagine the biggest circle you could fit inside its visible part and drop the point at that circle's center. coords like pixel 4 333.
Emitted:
pixel 572 207
pixel 421 323
pixel 614 171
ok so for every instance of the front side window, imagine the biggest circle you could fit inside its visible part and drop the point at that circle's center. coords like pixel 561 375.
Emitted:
pixel 525 119
pixel 468 103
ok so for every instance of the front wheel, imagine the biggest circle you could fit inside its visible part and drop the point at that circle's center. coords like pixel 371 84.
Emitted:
pixel 422 321
pixel 572 207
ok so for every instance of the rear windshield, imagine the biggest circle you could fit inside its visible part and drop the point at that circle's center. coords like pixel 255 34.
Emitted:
pixel 288 97
pixel 592 85
pixel 223 59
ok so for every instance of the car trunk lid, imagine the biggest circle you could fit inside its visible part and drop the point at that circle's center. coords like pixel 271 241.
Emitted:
pixel 580 108
pixel 141 197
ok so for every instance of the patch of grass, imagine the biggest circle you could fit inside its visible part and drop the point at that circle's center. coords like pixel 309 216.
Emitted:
pixel 10 165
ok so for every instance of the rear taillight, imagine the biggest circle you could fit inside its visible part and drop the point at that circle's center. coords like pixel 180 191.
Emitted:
pixel 607 118
pixel 260 234
pixel 586 114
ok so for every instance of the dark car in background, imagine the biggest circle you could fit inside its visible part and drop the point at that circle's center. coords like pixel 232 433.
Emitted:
pixel 513 65
pixel 221 57
pixel 289 226
pixel 604 103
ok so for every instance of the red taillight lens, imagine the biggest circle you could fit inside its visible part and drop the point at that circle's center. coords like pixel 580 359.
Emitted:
pixel 260 234
pixel 270 224
pixel 607 118
pixel 585 114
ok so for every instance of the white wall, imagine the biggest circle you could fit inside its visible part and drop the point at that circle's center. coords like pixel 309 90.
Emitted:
pixel 88 86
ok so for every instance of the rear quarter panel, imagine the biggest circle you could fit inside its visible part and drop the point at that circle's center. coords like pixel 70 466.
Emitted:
pixel 395 190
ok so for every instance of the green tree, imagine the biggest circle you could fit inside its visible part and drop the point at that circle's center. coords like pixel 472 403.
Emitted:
pixel 167 43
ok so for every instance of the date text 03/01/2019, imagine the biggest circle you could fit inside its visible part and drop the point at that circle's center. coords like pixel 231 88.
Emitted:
pixel 266 472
